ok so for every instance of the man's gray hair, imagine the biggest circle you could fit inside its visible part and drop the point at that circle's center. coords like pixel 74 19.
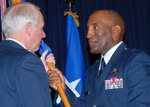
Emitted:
pixel 17 16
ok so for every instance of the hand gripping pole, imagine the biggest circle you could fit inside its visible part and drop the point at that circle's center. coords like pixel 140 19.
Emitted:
pixel 60 89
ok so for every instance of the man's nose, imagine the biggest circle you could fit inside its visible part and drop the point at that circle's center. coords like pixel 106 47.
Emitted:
pixel 90 33
pixel 43 35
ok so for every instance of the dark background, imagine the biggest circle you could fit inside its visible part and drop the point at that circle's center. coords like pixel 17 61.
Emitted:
pixel 135 12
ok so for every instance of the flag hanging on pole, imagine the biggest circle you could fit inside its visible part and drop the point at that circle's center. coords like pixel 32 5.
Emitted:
pixel 75 68
pixel 3 8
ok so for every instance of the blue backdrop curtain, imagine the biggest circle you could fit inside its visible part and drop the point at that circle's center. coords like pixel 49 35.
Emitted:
pixel 135 12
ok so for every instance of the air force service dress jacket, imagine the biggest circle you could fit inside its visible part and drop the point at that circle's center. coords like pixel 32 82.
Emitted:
pixel 124 82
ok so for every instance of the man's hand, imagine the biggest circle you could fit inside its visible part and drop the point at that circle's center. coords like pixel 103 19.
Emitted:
pixel 55 76
pixel 50 58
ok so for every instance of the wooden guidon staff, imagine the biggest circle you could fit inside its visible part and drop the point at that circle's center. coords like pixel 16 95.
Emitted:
pixel 60 89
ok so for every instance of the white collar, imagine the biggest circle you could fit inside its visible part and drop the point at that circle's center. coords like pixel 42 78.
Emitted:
pixel 16 42
pixel 109 54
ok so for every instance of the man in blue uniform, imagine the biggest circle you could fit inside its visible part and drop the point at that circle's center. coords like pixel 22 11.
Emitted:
pixel 23 77
pixel 121 78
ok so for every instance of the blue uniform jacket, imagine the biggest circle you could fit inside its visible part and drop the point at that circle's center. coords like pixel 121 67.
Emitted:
pixel 23 80
pixel 124 82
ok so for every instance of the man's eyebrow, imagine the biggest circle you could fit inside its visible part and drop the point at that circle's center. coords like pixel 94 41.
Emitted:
pixel 93 24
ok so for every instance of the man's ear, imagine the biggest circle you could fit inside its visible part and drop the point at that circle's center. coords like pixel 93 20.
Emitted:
pixel 116 30
pixel 28 28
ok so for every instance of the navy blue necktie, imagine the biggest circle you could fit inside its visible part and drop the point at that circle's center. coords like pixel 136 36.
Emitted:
pixel 102 66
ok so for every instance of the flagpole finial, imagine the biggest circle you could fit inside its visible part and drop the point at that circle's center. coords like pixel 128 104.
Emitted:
pixel 75 16
pixel 15 1
pixel 70 3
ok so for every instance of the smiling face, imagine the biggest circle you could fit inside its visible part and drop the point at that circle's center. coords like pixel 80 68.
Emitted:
pixel 100 32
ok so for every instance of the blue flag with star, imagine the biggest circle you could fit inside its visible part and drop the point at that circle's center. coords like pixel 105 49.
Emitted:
pixel 75 68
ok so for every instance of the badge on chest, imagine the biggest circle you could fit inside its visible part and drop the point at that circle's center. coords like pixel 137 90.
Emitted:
pixel 113 83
